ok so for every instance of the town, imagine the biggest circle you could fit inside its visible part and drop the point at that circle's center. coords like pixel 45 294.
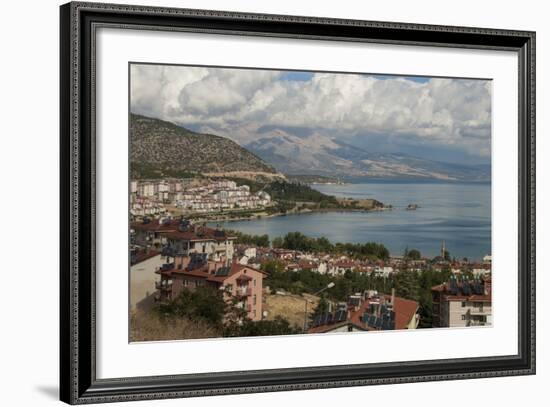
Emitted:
pixel 192 196
pixel 287 286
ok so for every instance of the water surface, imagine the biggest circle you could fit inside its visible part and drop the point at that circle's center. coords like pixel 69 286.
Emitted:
pixel 457 214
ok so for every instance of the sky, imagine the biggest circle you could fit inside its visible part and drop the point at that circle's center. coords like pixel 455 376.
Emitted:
pixel 442 119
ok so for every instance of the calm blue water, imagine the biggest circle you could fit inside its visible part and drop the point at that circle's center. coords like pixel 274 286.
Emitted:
pixel 459 214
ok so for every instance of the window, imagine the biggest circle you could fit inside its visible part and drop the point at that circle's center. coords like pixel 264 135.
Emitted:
pixel 464 317
pixel 254 282
pixel 254 300
pixel 463 304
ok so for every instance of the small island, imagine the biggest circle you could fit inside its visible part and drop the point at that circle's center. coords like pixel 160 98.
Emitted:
pixel 412 207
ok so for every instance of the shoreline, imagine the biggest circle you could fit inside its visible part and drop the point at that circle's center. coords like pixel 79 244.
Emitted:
pixel 294 212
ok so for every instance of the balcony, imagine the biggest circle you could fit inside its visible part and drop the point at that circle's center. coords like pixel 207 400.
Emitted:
pixel 479 311
pixel 243 292
pixel 159 285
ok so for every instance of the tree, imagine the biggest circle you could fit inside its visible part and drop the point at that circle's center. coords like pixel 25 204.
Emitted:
pixel 203 304
pixel 247 327
pixel 426 309
pixel 277 242
pixel 414 254
pixel 243 238
pixel 406 285
pixel 324 245
pixel 273 266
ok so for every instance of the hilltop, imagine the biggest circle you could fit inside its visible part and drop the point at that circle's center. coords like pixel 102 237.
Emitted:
pixel 160 149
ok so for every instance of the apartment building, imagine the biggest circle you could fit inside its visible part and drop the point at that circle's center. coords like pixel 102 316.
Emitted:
pixel 236 281
pixel 462 303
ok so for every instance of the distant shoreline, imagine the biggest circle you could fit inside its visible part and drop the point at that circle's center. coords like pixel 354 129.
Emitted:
pixel 356 181
pixel 297 212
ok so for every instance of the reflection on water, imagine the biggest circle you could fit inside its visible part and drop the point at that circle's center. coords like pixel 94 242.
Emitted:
pixel 459 214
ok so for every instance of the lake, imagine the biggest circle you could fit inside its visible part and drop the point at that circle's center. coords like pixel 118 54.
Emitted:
pixel 457 214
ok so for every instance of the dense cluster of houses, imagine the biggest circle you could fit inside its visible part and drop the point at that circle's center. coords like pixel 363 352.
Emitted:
pixel 337 265
pixel 193 196
pixel 190 256
pixel 185 255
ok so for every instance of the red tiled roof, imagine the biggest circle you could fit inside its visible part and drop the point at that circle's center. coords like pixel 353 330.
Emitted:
pixel 356 316
pixel 239 267
pixel 203 273
pixel 142 256
pixel 344 263
pixel 405 310
pixel 155 226
pixel 171 229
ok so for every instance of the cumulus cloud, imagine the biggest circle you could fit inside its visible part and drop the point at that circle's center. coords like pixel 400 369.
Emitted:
pixel 455 113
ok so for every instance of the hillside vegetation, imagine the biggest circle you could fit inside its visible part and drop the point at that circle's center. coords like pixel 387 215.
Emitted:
pixel 159 149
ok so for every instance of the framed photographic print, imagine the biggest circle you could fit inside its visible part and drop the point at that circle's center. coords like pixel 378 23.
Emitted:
pixel 256 203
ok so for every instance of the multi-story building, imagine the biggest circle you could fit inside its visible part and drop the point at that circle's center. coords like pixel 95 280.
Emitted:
pixel 200 196
pixel 340 266
pixel 181 238
pixel 143 264
pixel 151 233
pixel 462 303
pixel 189 239
pixel 240 283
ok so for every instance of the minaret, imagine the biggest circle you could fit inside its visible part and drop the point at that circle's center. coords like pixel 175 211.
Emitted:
pixel 443 249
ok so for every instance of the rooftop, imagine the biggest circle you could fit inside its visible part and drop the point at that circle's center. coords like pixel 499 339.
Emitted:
pixel 396 316
pixel 219 275
pixel 473 290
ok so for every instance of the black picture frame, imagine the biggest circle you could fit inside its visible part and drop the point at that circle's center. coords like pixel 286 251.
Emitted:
pixel 78 382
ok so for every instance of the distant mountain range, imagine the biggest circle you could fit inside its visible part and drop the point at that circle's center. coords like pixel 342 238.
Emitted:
pixel 321 155
pixel 163 149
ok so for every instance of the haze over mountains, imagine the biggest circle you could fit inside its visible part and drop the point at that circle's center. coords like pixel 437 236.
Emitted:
pixel 322 155
pixel 163 146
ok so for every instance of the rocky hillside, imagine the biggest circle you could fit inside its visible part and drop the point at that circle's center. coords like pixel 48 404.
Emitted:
pixel 162 149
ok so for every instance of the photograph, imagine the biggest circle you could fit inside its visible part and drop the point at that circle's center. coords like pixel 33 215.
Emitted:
pixel 279 202
pixel 345 194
